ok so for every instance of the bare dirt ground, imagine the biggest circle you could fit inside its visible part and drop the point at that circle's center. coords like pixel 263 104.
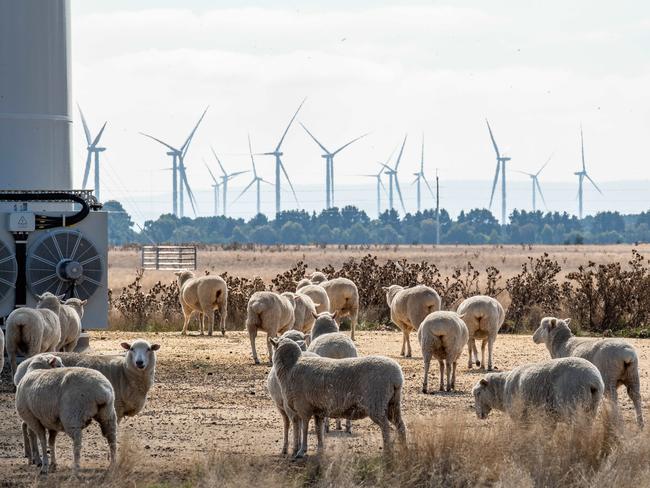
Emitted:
pixel 210 399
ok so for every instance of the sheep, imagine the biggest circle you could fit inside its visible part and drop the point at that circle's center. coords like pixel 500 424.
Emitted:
pixel 275 390
pixel 271 313
pixel 31 331
pixel 442 335
pixel 561 387
pixel 317 277
pixel 65 400
pixel 304 310
pixel 69 318
pixel 616 359
pixel 132 375
pixel 344 300
pixel 302 283
pixel 409 307
pixel 352 388
pixel 318 295
pixel 325 323
pixel 204 295
pixel 484 317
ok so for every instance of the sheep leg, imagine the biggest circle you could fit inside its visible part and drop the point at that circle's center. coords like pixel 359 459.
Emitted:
pixel 76 448
pixel 453 375
pixel 40 432
pixel 305 432
pixel 490 348
pixel 426 355
pixel 403 342
pixel 407 337
pixel 285 433
pixel 202 322
pixel 187 315
pixel 252 334
pixel 35 457
pixel 470 345
pixel 296 424
pixel 269 348
pixel 52 443
pixel 354 317
pixel 338 424
pixel 326 425
pixel 635 396
pixel 442 375
pixel 209 317
pixel 26 443
pixel 483 344
pixel 319 432
pixel 108 422
pixel 223 312
pixel 12 362
pixel 383 423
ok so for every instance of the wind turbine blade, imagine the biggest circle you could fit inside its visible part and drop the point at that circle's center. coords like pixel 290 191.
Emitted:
pixel 544 166
pixel 399 193
pixel 401 151
pixel 390 170
pixel 244 190
pixel 186 145
pixel 429 187
pixel 494 143
pixel 99 135
pixel 346 145
pixel 494 183
pixel 288 126
pixel 232 175
pixel 314 138
pixel 594 183
pixel 289 181
pixel 87 169
pixel 250 150
pixel 218 161
pixel 539 189
pixel 416 179
pixel 422 157
pixel 265 181
pixel 83 122
pixel 210 171
pixel 161 142
pixel 189 190
pixel 522 172
pixel 582 149
pixel 381 183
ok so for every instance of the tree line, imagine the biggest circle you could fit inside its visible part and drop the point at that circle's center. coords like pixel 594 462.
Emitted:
pixel 349 225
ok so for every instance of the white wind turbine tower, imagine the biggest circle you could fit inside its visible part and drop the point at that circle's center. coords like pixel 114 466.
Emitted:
pixel 380 186
pixel 255 181
pixel 93 149
pixel 280 167
pixel 501 166
pixel 582 175
pixel 419 177
pixel 179 176
pixel 535 183
pixel 329 165
pixel 393 182
pixel 215 189
pixel 225 178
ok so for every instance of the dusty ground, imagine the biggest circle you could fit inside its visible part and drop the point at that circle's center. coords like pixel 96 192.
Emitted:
pixel 209 398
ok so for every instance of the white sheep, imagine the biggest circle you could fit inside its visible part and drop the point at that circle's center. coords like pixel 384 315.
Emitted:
pixel 271 313
pixel 203 295
pixel 344 300
pixel 69 318
pixel 302 283
pixel 352 388
pixel 442 335
pixel 65 400
pixel 317 277
pixel 561 387
pixel 484 317
pixel 409 307
pixel 31 331
pixel 325 323
pixel 318 295
pixel 616 359
pixel 304 310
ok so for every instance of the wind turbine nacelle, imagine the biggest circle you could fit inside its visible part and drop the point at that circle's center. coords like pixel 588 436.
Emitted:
pixel 505 158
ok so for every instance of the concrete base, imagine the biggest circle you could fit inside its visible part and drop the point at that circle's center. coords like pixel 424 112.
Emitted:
pixel 84 343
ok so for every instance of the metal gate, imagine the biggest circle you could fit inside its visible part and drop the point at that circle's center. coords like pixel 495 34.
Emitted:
pixel 169 257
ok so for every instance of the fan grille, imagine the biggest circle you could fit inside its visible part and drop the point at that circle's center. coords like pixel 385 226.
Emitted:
pixel 47 260
pixel 8 270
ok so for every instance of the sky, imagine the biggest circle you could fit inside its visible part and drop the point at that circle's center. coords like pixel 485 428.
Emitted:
pixel 433 70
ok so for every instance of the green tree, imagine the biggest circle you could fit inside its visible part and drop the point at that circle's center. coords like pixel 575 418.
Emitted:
pixel 264 234
pixel 120 225
pixel 292 233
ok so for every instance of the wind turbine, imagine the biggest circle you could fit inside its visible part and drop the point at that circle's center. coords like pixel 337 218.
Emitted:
pixel 225 178
pixel 92 148
pixel 380 186
pixel 256 179
pixel 280 167
pixel 501 166
pixel 215 188
pixel 392 179
pixel 179 175
pixel 419 177
pixel 535 184
pixel 582 175
pixel 329 165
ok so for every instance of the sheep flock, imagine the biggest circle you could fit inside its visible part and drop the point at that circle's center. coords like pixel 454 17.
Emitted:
pixel 317 370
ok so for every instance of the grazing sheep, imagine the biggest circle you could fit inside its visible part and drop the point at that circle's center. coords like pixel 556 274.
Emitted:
pixel 65 400
pixel 271 313
pixel 204 295
pixel 616 359
pixel 484 317
pixel 409 307
pixel 304 310
pixel 344 300
pixel 317 277
pixel 325 323
pixel 318 295
pixel 352 388
pixel 69 318
pixel 77 304
pixel 442 335
pixel 31 331
pixel 559 386
pixel 302 283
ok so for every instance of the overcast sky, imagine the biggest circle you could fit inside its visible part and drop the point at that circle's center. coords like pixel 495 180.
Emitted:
pixel 537 70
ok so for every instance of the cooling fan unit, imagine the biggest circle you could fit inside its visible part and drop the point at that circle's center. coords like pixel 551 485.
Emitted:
pixel 8 270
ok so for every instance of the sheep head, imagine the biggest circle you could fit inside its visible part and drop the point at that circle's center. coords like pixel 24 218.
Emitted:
pixel 140 355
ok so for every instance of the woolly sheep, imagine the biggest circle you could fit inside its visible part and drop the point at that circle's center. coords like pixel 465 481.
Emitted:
pixel 559 387
pixel 204 295
pixel 340 388
pixel 484 317
pixel 442 335
pixel 344 300
pixel 325 323
pixel 409 307
pixel 69 318
pixel 318 295
pixel 302 283
pixel 616 359
pixel 271 313
pixel 304 310
pixel 65 400
pixel 31 331
pixel 317 277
